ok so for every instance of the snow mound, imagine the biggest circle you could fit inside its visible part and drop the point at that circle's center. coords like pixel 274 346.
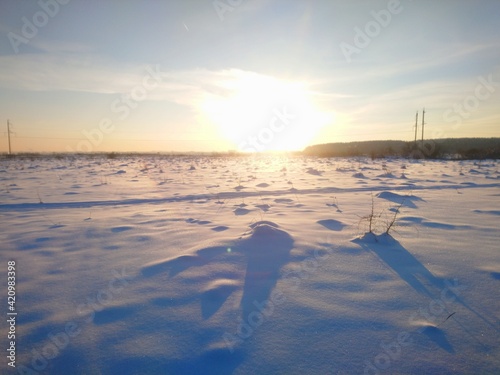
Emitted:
pixel 264 222
pixel 358 175
pixel 406 200
pixel 372 238
pixel 269 233
pixel 240 211
pixel 264 231
pixel 332 224
pixel 263 185
pixel 387 175
pixel 314 172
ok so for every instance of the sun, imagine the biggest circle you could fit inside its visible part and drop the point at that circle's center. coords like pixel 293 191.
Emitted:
pixel 259 113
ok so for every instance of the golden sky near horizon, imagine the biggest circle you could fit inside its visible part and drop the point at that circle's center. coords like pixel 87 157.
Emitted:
pixel 261 75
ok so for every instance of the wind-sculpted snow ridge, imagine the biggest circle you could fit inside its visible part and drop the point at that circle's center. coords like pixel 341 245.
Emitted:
pixel 233 195
pixel 258 254
pixel 263 249
pixel 404 200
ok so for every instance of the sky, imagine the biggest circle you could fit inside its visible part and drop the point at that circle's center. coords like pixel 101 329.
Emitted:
pixel 247 75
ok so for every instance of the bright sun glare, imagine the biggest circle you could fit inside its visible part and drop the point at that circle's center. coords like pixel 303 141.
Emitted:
pixel 261 113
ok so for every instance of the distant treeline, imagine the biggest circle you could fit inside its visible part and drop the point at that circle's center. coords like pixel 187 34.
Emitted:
pixel 112 155
pixel 450 148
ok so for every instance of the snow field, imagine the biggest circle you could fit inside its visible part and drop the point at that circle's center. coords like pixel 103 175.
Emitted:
pixel 188 265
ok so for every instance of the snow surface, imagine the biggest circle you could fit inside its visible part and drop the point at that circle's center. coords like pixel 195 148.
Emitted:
pixel 252 265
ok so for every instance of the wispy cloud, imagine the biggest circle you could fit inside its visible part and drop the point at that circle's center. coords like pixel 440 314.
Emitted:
pixel 88 73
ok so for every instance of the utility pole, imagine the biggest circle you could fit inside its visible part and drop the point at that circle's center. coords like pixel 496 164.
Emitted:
pixel 8 134
pixel 416 127
pixel 423 123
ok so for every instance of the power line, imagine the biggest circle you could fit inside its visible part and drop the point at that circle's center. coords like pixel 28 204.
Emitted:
pixel 423 123
pixel 8 133
pixel 126 139
pixel 76 139
pixel 416 127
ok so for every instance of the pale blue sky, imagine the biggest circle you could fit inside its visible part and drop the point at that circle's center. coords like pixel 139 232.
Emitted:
pixel 222 76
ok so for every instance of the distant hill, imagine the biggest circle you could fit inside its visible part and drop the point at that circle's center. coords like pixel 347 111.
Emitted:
pixel 454 148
